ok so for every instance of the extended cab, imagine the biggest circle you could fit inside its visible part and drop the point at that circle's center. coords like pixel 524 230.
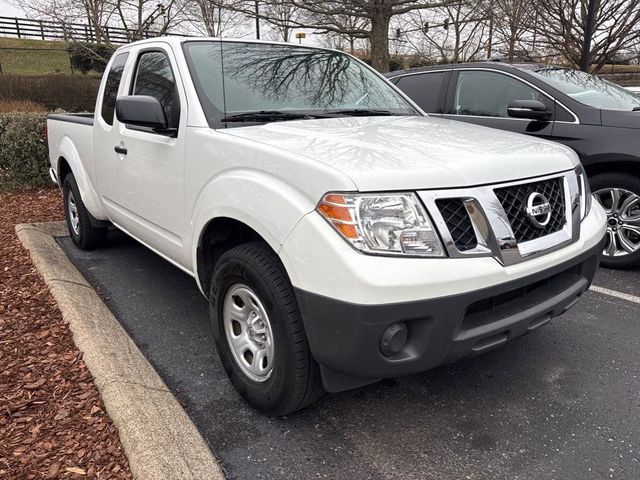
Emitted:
pixel 340 235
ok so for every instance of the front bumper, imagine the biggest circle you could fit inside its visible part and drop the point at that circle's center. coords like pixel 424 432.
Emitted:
pixel 345 337
pixel 318 260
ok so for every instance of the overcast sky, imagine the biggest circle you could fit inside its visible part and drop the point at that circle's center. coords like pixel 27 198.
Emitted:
pixel 7 10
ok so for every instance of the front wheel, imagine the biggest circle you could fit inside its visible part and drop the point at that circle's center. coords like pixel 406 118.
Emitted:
pixel 619 195
pixel 259 333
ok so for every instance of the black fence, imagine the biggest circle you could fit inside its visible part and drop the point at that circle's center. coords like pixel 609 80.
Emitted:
pixel 55 30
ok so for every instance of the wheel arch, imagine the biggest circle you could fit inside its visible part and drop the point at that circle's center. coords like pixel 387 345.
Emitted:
pixel 219 235
pixel 69 161
pixel 247 204
pixel 63 170
pixel 609 163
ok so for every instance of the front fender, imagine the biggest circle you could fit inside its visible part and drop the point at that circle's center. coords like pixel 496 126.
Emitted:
pixel 68 151
pixel 269 205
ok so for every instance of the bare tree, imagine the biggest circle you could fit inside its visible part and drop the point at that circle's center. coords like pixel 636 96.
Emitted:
pixel 457 32
pixel 375 15
pixel 512 22
pixel 349 28
pixel 138 18
pixel 286 15
pixel 283 16
pixel 589 33
pixel 215 17
pixel 142 17
pixel 95 12
pixel 334 41
pixel 634 54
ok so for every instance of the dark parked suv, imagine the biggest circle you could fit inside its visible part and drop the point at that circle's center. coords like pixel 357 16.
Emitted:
pixel 596 118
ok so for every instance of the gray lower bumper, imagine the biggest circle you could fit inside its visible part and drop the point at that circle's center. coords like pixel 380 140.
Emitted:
pixel 345 338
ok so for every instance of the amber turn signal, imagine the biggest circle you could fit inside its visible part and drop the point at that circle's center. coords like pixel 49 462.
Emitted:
pixel 334 208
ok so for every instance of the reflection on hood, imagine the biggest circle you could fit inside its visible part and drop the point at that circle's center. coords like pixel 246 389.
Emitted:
pixel 413 152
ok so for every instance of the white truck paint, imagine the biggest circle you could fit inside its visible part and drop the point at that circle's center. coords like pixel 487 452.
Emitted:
pixel 271 176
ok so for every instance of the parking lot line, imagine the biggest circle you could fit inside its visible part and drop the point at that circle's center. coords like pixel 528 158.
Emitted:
pixel 614 293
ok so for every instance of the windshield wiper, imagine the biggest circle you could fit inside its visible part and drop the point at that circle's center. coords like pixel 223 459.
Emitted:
pixel 277 115
pixel 269 116
pixel 362 112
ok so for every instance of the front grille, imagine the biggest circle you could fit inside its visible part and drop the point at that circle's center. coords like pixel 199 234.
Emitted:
pixel 458 222
pixel 514 201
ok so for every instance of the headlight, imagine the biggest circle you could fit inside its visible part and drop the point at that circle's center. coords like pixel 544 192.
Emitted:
pixel 585 192
pixel 383 224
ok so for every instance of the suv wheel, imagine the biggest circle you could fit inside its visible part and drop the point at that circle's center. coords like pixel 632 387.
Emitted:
pixel 83 233
pixel 259 333
pixel 619 194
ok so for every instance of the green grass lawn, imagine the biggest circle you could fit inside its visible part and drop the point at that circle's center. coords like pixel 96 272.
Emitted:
pixel 54 58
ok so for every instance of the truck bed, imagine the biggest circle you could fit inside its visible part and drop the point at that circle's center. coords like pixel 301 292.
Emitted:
pixel 70 135
pixel 82 118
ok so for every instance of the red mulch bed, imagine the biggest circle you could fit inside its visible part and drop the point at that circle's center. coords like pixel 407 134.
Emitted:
pixel 52 420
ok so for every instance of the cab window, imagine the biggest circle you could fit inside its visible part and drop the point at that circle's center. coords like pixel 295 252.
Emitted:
pixel 111 87
pixel 154 77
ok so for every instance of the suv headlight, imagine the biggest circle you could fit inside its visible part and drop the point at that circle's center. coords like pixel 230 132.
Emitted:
pixel 382 224
pixel 585 192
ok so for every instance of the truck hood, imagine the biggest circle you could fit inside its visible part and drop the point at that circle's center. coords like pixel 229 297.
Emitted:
pixel 413 153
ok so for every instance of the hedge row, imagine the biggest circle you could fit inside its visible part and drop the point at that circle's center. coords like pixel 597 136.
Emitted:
pixel 24 160
pixel 72 93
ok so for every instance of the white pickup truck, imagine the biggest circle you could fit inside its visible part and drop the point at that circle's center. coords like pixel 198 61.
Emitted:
pixel 340 235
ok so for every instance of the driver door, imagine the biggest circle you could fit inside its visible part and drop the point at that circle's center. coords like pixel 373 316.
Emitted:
pixel 149 199
pixel 483 96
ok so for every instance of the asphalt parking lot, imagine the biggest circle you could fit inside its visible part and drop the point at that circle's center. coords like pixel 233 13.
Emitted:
pixel 560 403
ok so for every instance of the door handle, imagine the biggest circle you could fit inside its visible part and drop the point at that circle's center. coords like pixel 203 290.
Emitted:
pixel 120 150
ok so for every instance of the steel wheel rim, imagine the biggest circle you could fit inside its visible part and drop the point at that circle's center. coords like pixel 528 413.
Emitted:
pixel 73 213
pixel 623 221
pixel 248 332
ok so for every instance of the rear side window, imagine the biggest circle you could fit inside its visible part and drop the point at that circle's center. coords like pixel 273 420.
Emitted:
pixel 424 89
pixel 111 87
pixel 155 78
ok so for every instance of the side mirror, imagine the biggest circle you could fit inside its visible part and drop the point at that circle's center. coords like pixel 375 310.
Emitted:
pixel 531 109
pixel 141 111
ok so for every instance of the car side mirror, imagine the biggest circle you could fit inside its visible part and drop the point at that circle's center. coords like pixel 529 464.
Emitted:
pixel 530 109
pixel 141 111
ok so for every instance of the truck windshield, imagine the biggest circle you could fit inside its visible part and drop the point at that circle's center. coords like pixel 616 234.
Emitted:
pixel 241 82
pixel 589 89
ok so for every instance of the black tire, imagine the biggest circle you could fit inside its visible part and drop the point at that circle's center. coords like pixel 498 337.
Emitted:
pixel 624 181
pixel 85 235
pixel 294 381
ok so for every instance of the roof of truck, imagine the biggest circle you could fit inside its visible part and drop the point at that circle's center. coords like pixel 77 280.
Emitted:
pixel 177 40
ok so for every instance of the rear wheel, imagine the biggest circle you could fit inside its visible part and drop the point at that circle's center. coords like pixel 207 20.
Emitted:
pixel 259 333
pixel 83 233
pixel 619 195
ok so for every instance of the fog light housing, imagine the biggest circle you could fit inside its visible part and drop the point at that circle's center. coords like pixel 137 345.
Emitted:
pixel 394 339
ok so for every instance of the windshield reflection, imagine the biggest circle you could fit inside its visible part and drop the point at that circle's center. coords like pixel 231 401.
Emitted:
pixel 589 89
pixel 240 77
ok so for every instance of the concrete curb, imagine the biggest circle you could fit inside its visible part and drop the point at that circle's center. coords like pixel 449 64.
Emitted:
pixel 158 437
